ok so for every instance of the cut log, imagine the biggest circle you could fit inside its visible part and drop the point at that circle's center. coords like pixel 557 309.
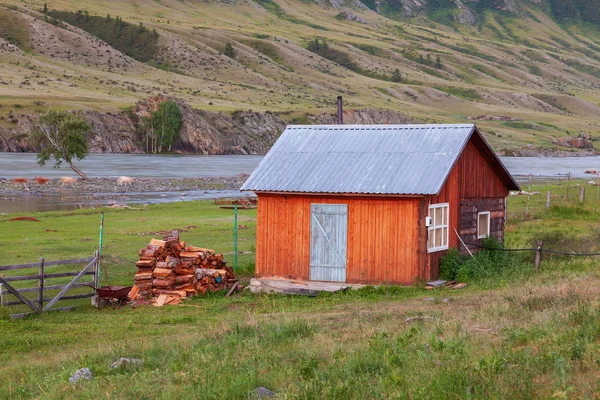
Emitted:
pixel 161 300
pixel 162 272
pixel 163 283
pixel 178 293
pixel 145 270
pixel 203 272
pixel 141 276
pixel 162 265
pixel 133 292
pixel 181 270
pixel 202 249
pixel 190 254
pixel 145 263
pixel 158 242
pixel 181 279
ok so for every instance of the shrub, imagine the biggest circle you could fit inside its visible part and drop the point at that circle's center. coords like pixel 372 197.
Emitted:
pixel 487 262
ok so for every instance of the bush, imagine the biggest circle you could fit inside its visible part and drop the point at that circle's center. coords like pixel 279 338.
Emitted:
pixel 486 263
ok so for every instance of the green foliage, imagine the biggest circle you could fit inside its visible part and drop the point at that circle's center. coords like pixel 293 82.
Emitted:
pixel 468 94
pixel 14 30
pixel 164 124
pixel 61 136
pixel 276 9
pixel 396 76
pixel 535 70
pixel 487 263
pixel 265 48
pixel 339 57
pixel 136 41
pixel 573 10
pixel 368 48
pixel 229 52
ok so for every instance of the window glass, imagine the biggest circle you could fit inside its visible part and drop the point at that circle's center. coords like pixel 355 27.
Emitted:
pixel 483 225
pixel 438 230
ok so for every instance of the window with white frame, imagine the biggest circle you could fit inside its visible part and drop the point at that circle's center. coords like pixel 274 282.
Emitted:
pixel 438 227
pixel 483 225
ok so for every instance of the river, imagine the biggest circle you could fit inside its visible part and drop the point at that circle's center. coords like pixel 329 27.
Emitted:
pixel 24 165
pixel 14 165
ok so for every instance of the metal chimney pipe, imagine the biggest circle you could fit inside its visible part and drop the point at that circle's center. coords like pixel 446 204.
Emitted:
pixel 340 111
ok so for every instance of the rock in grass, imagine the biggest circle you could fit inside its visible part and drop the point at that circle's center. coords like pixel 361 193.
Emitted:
pixel 127 363
pixel 263 392
pixel 83 373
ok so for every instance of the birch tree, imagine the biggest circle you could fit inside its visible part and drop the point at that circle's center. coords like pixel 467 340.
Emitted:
pixel 61 136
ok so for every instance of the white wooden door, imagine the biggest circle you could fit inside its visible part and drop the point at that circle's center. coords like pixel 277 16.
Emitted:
pixel 328 242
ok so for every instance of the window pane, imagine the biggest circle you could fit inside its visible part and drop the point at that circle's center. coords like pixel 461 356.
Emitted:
pixel 445 237
pixel 430 239
pixel 445 215
pixel 438 216
pixel 483 225
pixel 438 238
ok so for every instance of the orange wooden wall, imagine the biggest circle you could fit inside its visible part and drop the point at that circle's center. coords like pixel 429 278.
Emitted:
pixel 386 235
pixel 383 237
pixel 471 177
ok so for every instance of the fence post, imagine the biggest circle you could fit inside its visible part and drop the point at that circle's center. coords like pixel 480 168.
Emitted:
pixel 100 244
pixel 581 194
pixel 548 199
pixel 235 237
pixel 97 268
pixel 538 255
pixel 568 185
pixel 41 285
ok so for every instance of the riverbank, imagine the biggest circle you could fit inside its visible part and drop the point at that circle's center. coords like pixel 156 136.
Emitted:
pixel 96 187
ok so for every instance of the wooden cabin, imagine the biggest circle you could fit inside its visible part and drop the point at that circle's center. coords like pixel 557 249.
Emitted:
pixel 374 203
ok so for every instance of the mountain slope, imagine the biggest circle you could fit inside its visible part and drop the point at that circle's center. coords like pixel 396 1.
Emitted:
pixel 533 61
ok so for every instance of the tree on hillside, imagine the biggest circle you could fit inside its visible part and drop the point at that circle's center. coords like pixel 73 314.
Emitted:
pixel 438 63
pixel 229 51
pixel 163 126
pixel 61 135
pixel 396 76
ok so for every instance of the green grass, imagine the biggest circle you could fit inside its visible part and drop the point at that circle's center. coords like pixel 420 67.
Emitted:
pixel 463 93
pixel 14 30
pixel 516 334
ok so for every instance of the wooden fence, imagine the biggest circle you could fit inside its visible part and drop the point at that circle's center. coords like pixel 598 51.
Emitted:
pixel 36 304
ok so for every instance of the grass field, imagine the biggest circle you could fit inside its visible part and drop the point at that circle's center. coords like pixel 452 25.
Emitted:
pixel 517 335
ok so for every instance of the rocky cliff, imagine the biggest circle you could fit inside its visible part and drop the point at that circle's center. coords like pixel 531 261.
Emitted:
pixel 202 132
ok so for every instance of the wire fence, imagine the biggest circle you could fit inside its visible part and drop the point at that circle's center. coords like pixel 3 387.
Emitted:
pixel 120 234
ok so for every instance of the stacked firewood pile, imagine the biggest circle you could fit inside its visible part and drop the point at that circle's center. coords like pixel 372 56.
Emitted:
pixel 171 271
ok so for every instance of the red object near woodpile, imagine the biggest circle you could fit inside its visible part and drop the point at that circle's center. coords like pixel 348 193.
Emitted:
pixel 172 271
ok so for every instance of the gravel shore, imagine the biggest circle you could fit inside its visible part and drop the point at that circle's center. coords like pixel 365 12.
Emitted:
pixel 31 188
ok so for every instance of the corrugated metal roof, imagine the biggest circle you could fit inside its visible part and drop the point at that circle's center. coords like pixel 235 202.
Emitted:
pixel 366 159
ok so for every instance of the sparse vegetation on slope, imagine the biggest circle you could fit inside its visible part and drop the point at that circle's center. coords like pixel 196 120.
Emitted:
pixel 14 30
pixel 137 41
pixel 505 56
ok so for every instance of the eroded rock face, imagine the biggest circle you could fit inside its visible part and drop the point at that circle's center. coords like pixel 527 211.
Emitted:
pixel 577 143
pixel 202 132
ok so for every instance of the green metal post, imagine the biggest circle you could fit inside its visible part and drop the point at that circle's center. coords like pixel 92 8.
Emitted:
pixel 100 243
pixel 235 238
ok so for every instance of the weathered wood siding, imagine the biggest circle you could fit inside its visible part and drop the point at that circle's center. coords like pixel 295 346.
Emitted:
pixel 470 208
pixel 471 178
pixel 384 240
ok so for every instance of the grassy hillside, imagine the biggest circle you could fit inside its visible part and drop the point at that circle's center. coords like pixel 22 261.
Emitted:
pixel 520 63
